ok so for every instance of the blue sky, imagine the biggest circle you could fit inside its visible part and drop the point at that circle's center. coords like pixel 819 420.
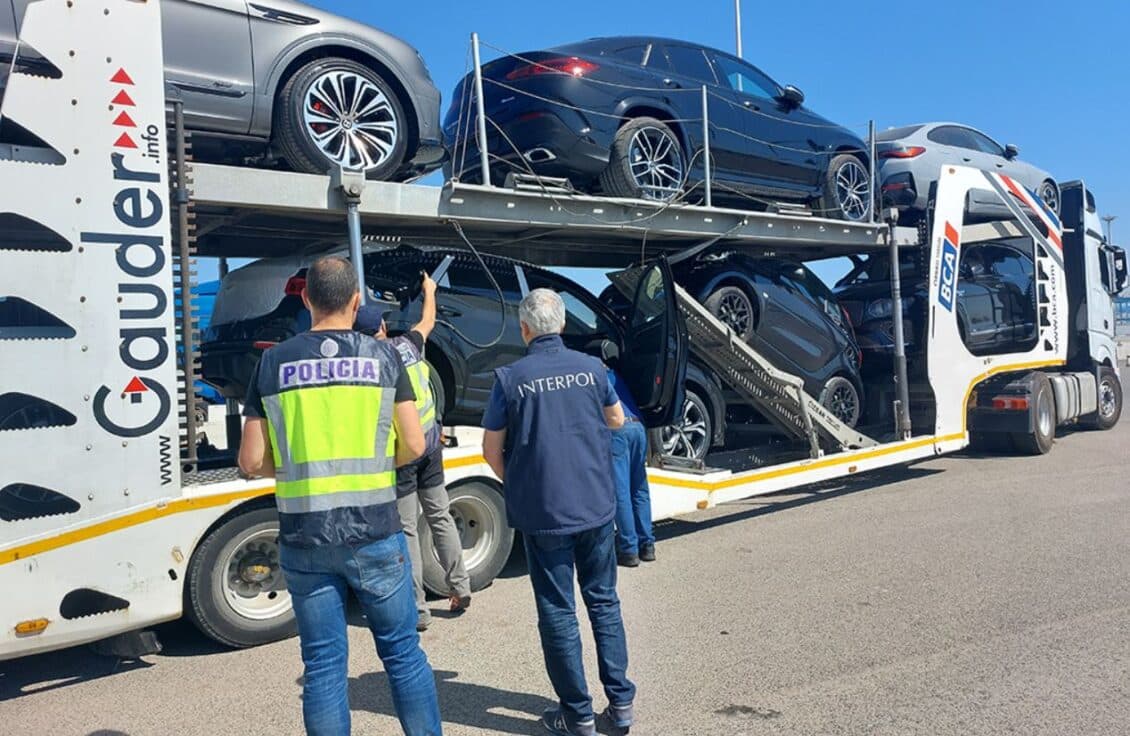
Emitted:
pixel 1053 78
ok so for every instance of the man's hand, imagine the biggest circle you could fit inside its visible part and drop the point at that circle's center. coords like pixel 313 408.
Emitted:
pixel 428 314
pixel 493 442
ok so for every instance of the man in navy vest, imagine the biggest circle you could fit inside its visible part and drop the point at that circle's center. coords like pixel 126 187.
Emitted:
pixel 548 438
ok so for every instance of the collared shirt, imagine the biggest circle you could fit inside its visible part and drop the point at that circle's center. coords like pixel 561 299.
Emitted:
pixel 631 410
pixel 558 449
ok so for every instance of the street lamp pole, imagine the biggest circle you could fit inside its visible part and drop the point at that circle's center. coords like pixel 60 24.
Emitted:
pixel 1109 220
pixel 738 25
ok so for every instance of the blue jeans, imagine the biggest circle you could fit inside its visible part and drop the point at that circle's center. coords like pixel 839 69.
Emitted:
pixel 551 559
pixel 633 495
pixel 379 574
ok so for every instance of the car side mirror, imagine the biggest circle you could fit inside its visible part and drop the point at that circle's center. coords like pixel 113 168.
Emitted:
pixel 609 351
pixel 1011 151
pixel 792 96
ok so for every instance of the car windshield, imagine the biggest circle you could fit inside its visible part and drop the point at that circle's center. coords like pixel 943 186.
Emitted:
pixel 895 134
pixel 875 269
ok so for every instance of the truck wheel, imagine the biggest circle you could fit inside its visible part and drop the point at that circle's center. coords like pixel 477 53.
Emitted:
pixel 479 512
pixel 235 592
pixel 1110 401
pixel 1042 410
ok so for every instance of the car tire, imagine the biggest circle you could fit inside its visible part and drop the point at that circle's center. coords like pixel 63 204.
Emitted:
pixel 479 512
pixel 847 191
pixel 692 437
pixel 324 82
pixel 218 591
pixel 735 308
pixel 638 142
pixel 841 397
pixel 1042 407
pixel 1049 193
pixel 1110 401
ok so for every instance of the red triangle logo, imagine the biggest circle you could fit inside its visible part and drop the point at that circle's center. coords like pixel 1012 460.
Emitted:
pixel 124 141
pixel 135 387
pixel 121 78
pixel 124 120
pixel 122 98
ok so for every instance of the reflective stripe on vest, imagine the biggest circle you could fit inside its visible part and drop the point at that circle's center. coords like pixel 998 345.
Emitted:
pixel 425 403
pixel 321 461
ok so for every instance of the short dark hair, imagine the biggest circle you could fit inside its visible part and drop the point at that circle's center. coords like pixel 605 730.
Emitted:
pixel 331 283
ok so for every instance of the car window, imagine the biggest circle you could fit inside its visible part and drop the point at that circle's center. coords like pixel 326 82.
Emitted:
pixel 630 54
pixel 582 319
pixel 1012 267
pixel 895 134
pixel 953 135
pixel 985 143
pixel 690 62
pixel 651 300
pixel 744 78
pixel 469 277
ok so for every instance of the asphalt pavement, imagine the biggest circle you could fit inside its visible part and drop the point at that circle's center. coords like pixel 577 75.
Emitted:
pixel 964 595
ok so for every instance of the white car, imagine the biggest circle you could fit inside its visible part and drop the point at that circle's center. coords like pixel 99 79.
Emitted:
pixel 911 157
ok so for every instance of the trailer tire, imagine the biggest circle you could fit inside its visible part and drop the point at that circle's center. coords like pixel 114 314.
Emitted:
pixel 1110 401
pixel 228 566
pixel 479 512
pixel 1042 409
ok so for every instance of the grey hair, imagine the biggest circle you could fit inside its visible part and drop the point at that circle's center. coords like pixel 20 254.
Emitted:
pixel 543 312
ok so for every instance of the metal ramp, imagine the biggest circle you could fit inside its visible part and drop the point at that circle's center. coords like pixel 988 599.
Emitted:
pixel 779 396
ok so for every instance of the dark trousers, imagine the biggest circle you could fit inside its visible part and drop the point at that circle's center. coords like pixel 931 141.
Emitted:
pixel 552 560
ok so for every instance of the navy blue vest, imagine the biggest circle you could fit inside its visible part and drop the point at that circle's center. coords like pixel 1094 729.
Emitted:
pixel 558 446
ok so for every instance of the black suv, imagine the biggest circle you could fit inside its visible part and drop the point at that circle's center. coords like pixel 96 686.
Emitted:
pixel 785 312
pixel 996 303
pixel 622 116
pixel 260 305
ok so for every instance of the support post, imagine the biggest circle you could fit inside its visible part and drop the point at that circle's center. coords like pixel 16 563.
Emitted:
pixel 902 403
pixel 706 144
pixel 184 282
pixel 351 184
pixel 738 26
pixel 871 172
pixel 480 109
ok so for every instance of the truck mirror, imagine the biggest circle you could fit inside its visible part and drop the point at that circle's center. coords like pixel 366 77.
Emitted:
pixel 1121 269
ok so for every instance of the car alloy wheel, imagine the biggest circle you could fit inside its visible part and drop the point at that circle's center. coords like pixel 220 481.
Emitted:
pixel 853 190
pixel 351 121
pixel 656 163
pixel 842 399
pixel 1049 193
pixel 735 312
pixel 690 437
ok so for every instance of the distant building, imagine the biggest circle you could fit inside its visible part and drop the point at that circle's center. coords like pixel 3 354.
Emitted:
pixel 1122 315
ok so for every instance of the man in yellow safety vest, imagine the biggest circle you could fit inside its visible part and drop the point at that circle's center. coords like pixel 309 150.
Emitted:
pixel 421 484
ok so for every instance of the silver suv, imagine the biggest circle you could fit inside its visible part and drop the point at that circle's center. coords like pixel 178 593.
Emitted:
pixel 280 79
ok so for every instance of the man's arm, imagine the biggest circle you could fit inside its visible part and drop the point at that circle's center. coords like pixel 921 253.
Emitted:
pixel 428 316
pixel 493 442
pixel 255 456
pixel 410 443
pixel 614 416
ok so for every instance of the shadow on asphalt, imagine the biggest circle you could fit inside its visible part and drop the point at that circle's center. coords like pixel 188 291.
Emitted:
pixel 465 703
pixel 42 673
pixel 793 498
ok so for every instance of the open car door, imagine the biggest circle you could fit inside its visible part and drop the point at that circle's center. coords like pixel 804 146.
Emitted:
pixel 654 360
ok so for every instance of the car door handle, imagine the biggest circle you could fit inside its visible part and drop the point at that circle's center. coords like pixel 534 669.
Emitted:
pixel 750 106
pixel 966 160
pixel 449 311
pixel 672 83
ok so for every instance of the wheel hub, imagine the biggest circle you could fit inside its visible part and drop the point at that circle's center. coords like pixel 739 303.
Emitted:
pixel 350 120
pixel 656 164
pixel 254 585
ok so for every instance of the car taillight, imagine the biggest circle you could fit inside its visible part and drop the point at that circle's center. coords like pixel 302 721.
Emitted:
pixel 263 344
pixel 903 152
pixel 295 285
pixel 572 66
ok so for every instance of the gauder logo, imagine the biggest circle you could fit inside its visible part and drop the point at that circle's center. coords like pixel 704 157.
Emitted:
pixel 141 405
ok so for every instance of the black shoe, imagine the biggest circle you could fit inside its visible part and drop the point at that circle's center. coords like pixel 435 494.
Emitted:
pixel 647 553
pixel 627 559
pixel 556 723
pixel 618 718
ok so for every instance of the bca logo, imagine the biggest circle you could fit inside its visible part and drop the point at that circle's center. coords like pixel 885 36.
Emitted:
pixel 948 280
